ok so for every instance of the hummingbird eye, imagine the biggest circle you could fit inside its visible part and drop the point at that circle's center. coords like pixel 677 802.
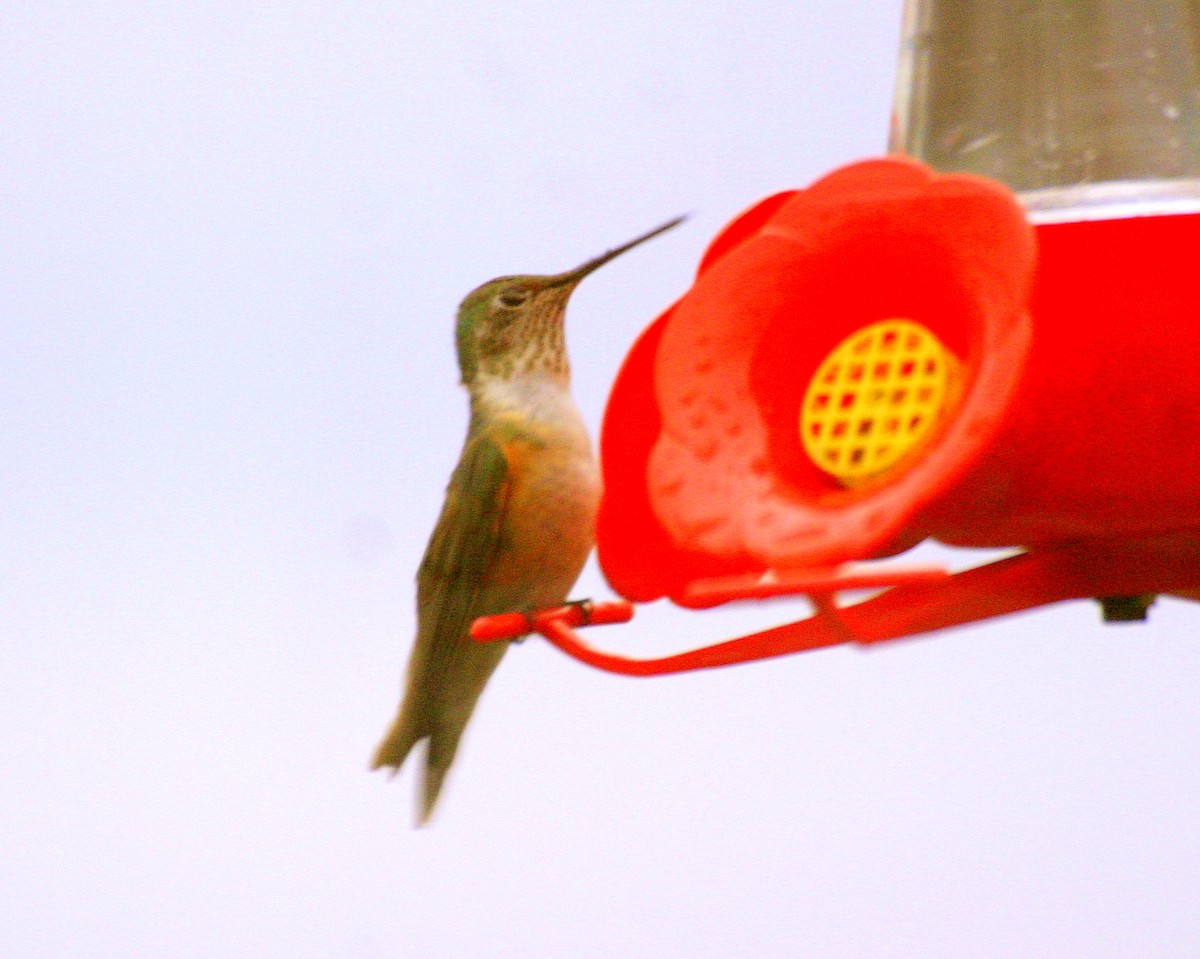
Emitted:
pixel 511 299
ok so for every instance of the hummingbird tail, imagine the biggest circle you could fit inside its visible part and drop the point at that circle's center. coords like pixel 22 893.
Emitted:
pixel 431 788
pixel 403 735
pixel 438 711
pixel 398 743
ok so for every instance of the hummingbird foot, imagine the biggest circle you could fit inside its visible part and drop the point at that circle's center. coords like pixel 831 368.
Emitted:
pixel 528 612
pixel 586 608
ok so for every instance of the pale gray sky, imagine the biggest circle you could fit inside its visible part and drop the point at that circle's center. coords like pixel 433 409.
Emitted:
pixel 232 238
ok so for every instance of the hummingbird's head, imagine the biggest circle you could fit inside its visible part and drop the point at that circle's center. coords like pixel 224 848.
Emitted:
pixel 514 325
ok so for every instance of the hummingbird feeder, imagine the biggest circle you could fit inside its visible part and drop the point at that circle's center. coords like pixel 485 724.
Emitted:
pixel 990 338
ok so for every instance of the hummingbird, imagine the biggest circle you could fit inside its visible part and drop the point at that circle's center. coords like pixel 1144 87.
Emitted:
pixel 519 517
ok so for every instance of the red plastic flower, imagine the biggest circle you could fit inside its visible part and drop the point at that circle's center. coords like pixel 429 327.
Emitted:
pixel 708 466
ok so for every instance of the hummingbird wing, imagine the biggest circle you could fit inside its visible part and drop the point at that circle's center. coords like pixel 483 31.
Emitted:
pixel 448 670
pixel 463 552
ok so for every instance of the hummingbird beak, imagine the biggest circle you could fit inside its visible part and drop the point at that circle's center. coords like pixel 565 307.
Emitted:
pixel 571 277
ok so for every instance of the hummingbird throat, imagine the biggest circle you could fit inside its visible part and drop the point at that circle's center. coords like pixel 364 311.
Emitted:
pixel 536 346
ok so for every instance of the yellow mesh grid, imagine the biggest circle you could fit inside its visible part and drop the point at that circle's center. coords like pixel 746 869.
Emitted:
pixel 876 398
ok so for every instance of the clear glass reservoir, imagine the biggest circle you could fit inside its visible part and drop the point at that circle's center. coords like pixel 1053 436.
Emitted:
pixel 1089 109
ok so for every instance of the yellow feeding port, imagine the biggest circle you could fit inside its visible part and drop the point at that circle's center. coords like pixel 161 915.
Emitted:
pixel 876 398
